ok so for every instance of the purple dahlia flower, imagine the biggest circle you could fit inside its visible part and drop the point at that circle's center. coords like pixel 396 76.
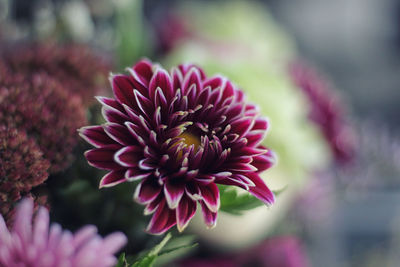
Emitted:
pixel 179 134
pixel 40 245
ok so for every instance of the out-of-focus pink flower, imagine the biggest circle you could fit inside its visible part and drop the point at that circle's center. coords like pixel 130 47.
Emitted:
pixel 22 167
pixel 284 251
pixel 79 71
pixel 41 107
pixel 179 134
pixel 327 110
pixel 39 245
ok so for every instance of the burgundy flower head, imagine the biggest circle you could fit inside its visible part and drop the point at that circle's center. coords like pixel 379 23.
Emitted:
pixel 22 167
pixel 179 134
pixel 327 110
pixel 39 105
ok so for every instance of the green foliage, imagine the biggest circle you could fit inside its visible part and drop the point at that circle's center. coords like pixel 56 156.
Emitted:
pixel 149 258
pixel 236 203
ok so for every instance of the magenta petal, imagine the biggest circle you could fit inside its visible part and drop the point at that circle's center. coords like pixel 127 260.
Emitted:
pixel 173 193
pixel 162 220
pixel 210 218
pixel 242 126
pixel 113 115
pixel 264 162
pixel 119 133
pixel 134 174
pixel 144 69
pixel 128 156
pixel 147 191
pixel 185 212
pixel 161 79
pixel 210 194
pixel 122 88
pixel 103 157
pixel 95 136
pixel 112 178
pixel 261 190
pixel 110 102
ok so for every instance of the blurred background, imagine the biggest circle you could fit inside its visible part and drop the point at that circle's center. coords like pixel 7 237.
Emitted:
pixel 334 64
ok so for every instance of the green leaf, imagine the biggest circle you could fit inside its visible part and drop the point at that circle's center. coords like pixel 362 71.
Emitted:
pixel 162 249
pixel 149 258
pixel 122 261
pixel 234 202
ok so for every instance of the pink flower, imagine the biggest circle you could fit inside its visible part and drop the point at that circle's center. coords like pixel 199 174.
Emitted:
pixel 38 245
pixel 179 134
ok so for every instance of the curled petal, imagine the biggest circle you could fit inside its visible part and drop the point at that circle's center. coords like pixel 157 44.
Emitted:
pixel 147 191
pixel 265 161
pixel 210 195
pixel 103 157
pixel 185 212
pixel 128 156
pixel 112 178
pixel 261 190
pixel 210 218
pixel 173 193
pixel 95 136
pixel 162 220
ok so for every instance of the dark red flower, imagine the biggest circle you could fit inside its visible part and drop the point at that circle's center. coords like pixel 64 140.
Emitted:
pixel 80 71
pixel 22 167
pixel 179 134
pixel 327 110
pixel 40 106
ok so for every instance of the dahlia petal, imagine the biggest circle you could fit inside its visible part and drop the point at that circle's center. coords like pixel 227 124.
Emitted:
pixel 242 126
pixel 109 102
pixel 144 104
pixel 210 194
pixel 119 133
pixel 229 91
pixel 95 136
pixel 162 80
pixel 122 88
pixel 205 179
pixel 146 191
pixel 146 165
pixel 144 69
pixel 177 79
pixel 210 218
pixel 261 124
pixel 162 220
pixel 255 137
pixel 103 157
pixel 191 80
pixel 113 115
pixel 152 206
pixel 214 82
pixel 235 182
pixel 135 175
pixel 260 190
pixel 240 167
pixel 134 131
pixel 185 212
pixel 128 156
pixel 264 162
pixel 112 178
pixel 173 193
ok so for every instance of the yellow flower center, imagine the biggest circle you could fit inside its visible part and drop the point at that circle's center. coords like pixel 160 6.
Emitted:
pixel 190 139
